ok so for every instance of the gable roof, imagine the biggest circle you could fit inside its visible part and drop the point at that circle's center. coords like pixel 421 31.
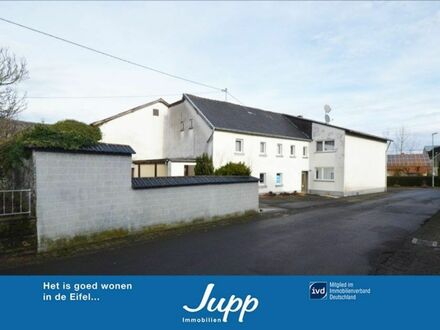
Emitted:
pixel 404 160
pixel 139 107
pixel 306 125
pixel 237 118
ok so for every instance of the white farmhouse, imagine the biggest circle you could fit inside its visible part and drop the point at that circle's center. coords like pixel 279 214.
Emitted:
pixel 287 153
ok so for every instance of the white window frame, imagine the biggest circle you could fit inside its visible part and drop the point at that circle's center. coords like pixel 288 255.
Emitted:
pixel 320 173
pixel 292 148
pixel 182 125
pixel 190 124
pixel 280 184
pixel 241 151
pixel 263 183
pixel 305 152
pixel 279 150
pixel 325 147
pixel 264 145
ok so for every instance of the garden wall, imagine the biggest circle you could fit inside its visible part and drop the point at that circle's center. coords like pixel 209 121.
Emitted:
pixel 85 193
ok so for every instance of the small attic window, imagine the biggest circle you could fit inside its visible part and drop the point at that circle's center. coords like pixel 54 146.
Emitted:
pixel 156 112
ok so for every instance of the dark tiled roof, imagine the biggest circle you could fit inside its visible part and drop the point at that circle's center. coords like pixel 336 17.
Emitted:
pixel 233 117
pixel 164 182
pixel 306 125
pixel 100 148
pixel 408 160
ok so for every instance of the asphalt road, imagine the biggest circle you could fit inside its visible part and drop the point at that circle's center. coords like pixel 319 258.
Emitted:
pixel 307 236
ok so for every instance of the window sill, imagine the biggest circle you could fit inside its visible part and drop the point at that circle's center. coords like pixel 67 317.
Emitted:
pixel 325 152
pixel 280 156
pixel 321 180
pixel 305 157
pixel 292 156
pixel 239 153
pixel 278 185
pixel 262 186
pixel 263 155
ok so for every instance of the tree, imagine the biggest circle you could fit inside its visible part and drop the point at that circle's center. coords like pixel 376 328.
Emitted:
pixel 12 72
pixel 204 165
pixel 234 169
pixel 403 141
pixel 66 135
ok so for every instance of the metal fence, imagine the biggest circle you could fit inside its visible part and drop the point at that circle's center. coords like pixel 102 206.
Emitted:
pixel 15 202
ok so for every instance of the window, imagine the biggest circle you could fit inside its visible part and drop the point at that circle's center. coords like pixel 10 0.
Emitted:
pixel 328 145
pixel 190 124
pixel 239 145
pixel 263 178
pixel 279 179
pixel 279 149
pixel 155 112
pixel 182 126
pixel 263 148
pixel 305 152
pixel 292 151
pixel 325 173
pixel 319 146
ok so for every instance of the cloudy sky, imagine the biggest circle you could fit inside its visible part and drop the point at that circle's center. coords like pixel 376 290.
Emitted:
pixel 376 64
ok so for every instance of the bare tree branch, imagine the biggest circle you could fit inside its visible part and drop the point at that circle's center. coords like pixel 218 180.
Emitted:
pixel 403 141
pixel 12 72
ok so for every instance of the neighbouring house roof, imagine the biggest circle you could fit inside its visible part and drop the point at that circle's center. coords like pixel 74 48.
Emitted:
pixel 306 125
pixel 164 182
pixel 164 161
pixel 428 150
pixel 237 118
pixel 409 160
pixel 99 148
pixel 103 121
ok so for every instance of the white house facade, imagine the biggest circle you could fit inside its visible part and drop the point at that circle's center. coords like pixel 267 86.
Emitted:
pixel 285 152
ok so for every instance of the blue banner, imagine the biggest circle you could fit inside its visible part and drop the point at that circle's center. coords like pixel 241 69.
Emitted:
pixel 219 302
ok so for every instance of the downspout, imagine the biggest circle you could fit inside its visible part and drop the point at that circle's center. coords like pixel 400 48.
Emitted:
pixel 386 164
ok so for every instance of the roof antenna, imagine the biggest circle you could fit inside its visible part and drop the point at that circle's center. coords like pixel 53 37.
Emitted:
pixel 225 90
pixel 327 110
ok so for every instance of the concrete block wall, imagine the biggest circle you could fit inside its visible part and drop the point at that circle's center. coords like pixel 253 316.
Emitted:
pixel 82 194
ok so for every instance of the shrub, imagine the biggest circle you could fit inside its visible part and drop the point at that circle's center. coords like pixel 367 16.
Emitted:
pixel 204 165
pixel 234 169
pixel 411 181
pixel 67 135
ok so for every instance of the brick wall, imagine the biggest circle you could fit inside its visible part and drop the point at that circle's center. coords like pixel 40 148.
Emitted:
pixel 81 194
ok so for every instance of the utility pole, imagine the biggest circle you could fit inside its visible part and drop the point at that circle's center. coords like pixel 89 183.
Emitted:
pixel 433 157
pixel 225 90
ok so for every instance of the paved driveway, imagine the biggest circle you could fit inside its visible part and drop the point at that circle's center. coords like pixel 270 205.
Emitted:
pixel 306 236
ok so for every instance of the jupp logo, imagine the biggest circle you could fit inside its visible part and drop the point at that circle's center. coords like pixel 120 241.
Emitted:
pixel 233 305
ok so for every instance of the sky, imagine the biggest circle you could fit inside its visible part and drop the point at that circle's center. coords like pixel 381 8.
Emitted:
pixel 377 64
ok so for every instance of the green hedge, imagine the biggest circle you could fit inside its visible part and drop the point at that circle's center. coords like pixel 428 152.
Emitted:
pixel 411 181
pixel 234 169
pixel 66 134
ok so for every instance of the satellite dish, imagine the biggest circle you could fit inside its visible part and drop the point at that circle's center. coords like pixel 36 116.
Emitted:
pixel 327 118
pixel 327 108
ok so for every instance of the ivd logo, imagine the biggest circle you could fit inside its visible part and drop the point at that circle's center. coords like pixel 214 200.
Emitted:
pixel 318 290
